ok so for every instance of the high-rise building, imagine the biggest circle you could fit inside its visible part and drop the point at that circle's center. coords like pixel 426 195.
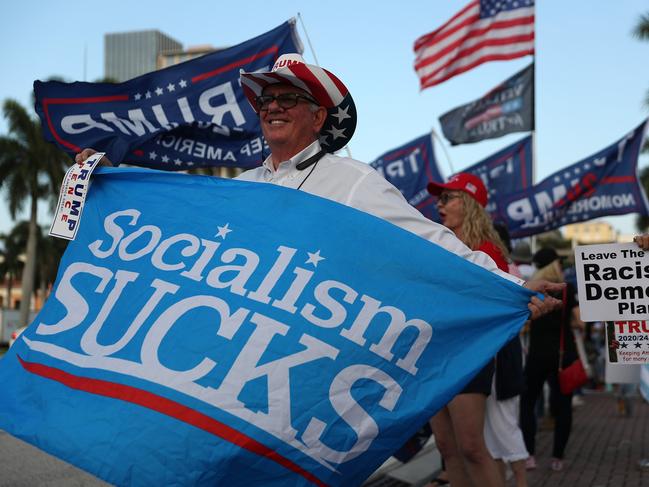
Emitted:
pixel 131 54
pixel 176 56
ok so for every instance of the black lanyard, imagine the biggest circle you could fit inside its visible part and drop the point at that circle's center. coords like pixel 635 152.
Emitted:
pixel 311 161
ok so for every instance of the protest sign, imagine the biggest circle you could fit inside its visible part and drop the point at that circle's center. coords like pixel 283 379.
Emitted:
pixel 245 334
pixel 613 281
pixel 72 198
pixel 628 342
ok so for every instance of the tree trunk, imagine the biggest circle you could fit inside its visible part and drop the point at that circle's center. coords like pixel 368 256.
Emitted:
pixel 30 266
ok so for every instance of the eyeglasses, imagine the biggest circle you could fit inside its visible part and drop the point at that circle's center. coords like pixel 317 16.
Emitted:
pixel 444 198
pixel 284 100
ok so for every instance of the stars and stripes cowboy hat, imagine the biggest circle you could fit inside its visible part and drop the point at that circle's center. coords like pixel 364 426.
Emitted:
pixel 322 85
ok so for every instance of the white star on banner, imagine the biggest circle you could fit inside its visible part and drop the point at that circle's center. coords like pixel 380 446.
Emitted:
pixel 337 132
pixel 577 170
pixel 147 95
pixel 323 139
pixel 566 175
pixel 190 163
pixel 342 114
pixel 223 231
pixel 159 91
pixel 557 179
pixel 137 96
pixel 177 162
pixel 586 167
pixel 165 159
pixel 182 83
pixel 171 87
pixel 314 258
pixel 153 155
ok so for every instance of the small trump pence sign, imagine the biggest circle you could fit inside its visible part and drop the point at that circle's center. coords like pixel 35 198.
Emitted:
pixel 72 197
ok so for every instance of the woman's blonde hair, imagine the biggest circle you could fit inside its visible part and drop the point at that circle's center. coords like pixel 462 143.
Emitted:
pixel 477 226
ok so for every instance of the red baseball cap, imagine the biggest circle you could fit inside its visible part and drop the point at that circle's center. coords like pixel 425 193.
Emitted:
pixel 463 181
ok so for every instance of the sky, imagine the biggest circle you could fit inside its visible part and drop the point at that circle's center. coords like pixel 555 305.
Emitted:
pixel 592 75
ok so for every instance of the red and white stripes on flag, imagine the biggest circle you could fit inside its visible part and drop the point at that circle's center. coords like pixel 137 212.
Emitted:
pixel 470 39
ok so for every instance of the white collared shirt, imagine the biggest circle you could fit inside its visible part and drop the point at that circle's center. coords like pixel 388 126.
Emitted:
pixel 358 185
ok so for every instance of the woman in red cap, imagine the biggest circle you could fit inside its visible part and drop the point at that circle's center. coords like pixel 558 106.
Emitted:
pixel 459 426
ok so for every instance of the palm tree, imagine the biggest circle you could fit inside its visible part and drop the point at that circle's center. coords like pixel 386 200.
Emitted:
pixel 30 170
pixel 10 265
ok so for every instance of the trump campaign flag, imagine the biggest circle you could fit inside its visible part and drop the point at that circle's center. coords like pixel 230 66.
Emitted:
pixel 410 168
pixel 188 115
pixel 484 30
pixel 605 183
pixel 245 334
pixel 504 172
pixel 507 108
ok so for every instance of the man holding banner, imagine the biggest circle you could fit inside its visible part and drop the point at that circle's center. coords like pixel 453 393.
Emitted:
pixel 306 113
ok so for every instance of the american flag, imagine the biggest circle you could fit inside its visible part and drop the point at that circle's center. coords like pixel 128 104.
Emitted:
pixel 485 30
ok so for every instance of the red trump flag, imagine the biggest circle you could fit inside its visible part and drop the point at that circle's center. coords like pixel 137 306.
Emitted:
pixel 484 30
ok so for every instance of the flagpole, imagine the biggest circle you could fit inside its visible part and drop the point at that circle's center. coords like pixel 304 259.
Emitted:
pixel 315 58
pixel 441 142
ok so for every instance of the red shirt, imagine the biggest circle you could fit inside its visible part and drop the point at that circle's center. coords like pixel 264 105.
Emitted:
pixel 492 251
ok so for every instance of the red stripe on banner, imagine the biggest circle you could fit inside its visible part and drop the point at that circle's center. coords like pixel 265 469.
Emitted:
pixel 402 152
pixel 618 179
pixel 64 143
pixel 169 408
pixel 427 81
pixel 237 64
pixel 73 101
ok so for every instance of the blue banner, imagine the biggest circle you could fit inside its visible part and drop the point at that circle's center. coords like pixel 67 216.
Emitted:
pixel 410 168
pixel 506 171
pixel 189 115
pixel 605 183
pixel 245 334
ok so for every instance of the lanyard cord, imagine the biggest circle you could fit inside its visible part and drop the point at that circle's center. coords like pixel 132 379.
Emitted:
pixel 311 161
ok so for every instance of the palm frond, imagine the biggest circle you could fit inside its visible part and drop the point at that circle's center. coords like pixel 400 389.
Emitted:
pixel 641 29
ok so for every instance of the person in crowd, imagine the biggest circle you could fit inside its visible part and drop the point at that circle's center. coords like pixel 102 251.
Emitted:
pixel 521 256
pixel 642 241
pixel 503 435
pixel 543 363
pixel 306 114
pixel 459 427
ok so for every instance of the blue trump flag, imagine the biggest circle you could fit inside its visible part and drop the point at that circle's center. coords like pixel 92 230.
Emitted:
pixel 605 183
pixel 506 171
pixel 245 334
pixel 188 115
pixel 410 168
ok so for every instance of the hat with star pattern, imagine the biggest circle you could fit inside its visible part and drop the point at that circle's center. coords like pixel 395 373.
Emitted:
pixel 327 89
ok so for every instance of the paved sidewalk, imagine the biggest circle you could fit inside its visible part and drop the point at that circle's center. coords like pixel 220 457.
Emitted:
pixel 603 449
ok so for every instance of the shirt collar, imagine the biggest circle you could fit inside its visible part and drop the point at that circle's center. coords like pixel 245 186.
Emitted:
pixel 289 165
